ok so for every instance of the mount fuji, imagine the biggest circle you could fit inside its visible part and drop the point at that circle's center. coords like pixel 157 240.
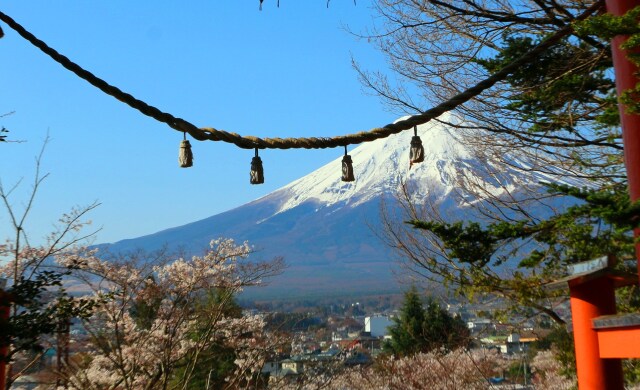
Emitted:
pixel 326 229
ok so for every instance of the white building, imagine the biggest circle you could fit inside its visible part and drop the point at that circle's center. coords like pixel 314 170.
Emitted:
pixel 480 325
pixel 377 325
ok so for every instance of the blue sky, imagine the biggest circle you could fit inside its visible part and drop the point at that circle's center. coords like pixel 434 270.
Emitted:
pixel 280 72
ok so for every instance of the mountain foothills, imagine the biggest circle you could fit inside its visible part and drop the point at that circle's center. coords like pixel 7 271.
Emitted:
pixel 328 231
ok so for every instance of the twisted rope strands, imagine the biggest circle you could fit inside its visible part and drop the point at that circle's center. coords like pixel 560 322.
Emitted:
pixel 251 142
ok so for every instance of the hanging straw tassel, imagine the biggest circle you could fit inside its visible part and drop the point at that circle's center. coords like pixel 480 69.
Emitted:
pixel 185 157
pixel 347 167
pixel 417 150
pixel 257 173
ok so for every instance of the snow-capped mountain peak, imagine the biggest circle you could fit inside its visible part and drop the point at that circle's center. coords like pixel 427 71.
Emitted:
pixel 382 166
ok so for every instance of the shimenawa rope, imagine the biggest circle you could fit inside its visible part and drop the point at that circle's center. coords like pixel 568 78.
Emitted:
pixel 252 142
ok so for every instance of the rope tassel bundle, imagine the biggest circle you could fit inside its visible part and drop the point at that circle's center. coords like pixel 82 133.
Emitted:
pixel 417 150
pixel 185 157
pixel 347 167
pixel 257 172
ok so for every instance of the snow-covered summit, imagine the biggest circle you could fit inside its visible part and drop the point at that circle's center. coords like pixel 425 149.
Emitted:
pixel 382 166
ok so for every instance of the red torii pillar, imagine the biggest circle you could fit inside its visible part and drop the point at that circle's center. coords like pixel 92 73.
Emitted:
pixel 625 72
pixel 5 307
pixel 591 299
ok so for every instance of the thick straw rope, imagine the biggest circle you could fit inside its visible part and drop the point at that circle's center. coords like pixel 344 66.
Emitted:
pixel 251 142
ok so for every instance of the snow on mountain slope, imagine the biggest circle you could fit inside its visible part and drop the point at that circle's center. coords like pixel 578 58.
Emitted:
pixel 379 166
pixel 382 166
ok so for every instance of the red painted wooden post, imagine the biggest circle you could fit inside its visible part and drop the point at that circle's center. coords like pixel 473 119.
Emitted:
pixel 589 300
pixel 626 79
pixel 5 307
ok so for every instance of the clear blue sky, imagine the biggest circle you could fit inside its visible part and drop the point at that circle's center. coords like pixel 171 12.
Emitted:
pixel 281 72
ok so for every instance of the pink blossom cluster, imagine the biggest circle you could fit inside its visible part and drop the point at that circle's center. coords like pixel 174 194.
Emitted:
pixel 127 350
pixel 547 372
pixel 460 369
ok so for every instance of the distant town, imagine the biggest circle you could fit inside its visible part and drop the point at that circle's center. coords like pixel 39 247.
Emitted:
pixel 353 333
pixel 324 338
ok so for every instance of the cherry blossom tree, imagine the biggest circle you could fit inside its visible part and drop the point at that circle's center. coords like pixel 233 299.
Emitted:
pixel 459 369
pixel 130 350
pixel 548 372
pixel 39 304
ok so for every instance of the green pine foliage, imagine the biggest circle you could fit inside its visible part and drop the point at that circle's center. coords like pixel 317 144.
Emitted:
pixel 553 94
pixel 560 110
pixel 558 98
pixel 423 328
pixel 599 225
pixel 608 26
